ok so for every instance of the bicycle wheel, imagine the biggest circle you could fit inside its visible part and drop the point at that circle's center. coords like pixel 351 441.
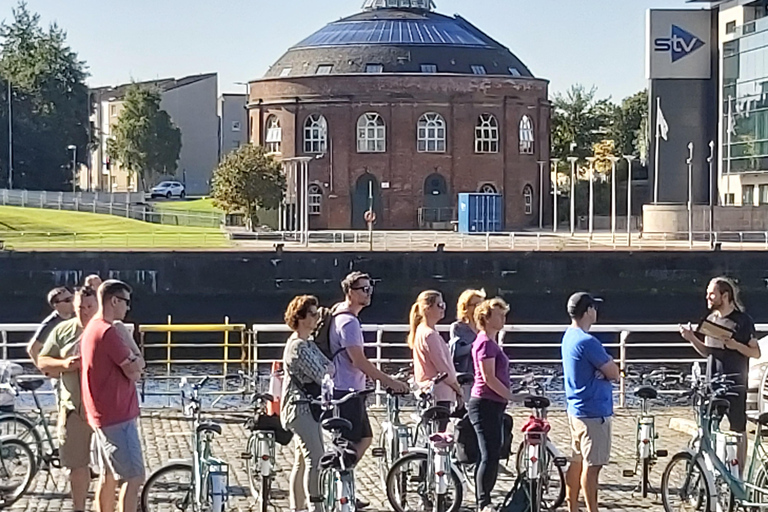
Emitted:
pixel 684 486
pixel 760 479
pixel 646 482
pixel 169 489
pixel 252 468
pixel 328 488
pixel 386 459
pixel 17 468
pixel 409 487
pixel 20 427
pixel 264 495
pixel 553 479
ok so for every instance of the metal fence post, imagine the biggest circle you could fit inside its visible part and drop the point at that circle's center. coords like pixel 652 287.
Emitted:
pixel 226 352
pixel 61 199
pixel 5 345
pixel 623 368
pixel 487 241
pixel 379 351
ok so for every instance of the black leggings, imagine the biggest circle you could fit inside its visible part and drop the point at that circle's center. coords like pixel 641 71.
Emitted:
pixel 486 416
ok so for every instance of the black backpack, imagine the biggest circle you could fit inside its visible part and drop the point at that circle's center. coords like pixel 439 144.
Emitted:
pixel 322 334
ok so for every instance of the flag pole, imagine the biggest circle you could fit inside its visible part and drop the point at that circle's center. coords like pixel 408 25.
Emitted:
pixel 729 131
pixel 656 157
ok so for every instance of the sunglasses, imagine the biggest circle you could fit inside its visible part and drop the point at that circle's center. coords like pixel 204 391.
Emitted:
pixel 441 305
pixel 65 301
pixel 127 301
pixel 313 314
pixel 365 289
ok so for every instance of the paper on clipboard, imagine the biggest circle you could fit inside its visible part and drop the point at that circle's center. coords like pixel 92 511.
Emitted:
pixel 714 333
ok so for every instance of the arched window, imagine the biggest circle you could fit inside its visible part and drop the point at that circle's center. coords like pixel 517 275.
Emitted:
pixel 528 199
pixel 488 188
pixel 431 133
pixel 526 136
pixel 487 134
pixel 371 134
pixel 274 135
pixel 315 194
pixel 315 134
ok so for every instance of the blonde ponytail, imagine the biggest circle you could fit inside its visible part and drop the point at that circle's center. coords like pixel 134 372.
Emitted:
pixel 423 301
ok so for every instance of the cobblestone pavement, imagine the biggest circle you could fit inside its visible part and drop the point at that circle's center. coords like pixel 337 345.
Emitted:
pixel 166 436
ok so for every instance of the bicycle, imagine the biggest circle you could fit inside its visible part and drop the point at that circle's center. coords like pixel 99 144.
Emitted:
pixel 17 469
pixel 395 436
pixel 431 469
pixel 538 459
pixel 260 450
pixel 337 476
pixel 703 479
pixel 197 485
pixel 646 454
pixel 28 429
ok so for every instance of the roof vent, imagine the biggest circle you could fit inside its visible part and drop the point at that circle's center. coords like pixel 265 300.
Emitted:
pixel 426 5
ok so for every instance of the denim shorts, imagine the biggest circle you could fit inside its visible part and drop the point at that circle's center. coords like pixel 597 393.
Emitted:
pixel 120 450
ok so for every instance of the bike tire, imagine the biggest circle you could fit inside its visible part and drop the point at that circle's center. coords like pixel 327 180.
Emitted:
pixel 15 454
pixel 264 496
pixel 386 461
pixel 18 426
pixel 760 479
pixel 254 480
pixel 154 486
pixel 698 488
pixel 558 498
pixel 420 459
pixel 645 486
pixel 328 489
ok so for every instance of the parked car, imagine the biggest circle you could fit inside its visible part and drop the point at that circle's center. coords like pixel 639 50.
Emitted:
pixel 168 189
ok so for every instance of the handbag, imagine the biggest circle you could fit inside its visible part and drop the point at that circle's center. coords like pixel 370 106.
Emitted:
pixel 311 391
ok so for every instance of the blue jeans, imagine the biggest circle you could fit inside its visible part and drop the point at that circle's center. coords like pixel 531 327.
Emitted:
pixel 486 416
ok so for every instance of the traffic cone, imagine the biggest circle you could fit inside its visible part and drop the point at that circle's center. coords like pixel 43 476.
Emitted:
pixel 275 389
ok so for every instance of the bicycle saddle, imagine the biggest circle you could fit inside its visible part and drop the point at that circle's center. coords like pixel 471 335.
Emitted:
pixel 436 413
pixel 536 402
pixel 30 383
pixel 465 378
pixel 339 424
pixel 266 397
pixel 719 405
pixel 343 458
pixel 209 427
pixel 441 440
pixel 646 393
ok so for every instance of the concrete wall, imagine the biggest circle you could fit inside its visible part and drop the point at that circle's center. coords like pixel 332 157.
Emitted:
pixel 673 218
pixel 233 123
pixel 192 108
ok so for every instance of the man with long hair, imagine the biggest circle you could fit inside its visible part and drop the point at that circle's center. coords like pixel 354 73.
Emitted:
pixel 727 344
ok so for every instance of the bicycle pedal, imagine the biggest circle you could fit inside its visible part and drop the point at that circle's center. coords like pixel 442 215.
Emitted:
pixel 628 473
pixel 560 462
pixel 379 452
pixel 662 453
pixel 245 455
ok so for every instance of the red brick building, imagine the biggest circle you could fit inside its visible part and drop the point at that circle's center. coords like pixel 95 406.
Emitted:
pixel 412 108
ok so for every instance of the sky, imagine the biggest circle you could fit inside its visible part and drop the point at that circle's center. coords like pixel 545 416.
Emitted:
pixel 592 42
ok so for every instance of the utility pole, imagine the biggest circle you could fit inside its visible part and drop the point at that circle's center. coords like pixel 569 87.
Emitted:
pixel 10 137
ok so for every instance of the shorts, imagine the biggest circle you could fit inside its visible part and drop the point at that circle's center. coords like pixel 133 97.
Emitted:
pixel 74 439
pixel 591 439
pixel 354 410
pixel 737 411
pixel 120 450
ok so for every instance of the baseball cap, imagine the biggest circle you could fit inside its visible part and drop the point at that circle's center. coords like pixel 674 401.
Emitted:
pixel 580 302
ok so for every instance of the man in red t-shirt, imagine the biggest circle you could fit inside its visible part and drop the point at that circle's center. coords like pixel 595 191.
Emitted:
pixel 110 370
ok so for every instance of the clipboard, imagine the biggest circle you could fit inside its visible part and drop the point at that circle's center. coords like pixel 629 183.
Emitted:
pixel 714 333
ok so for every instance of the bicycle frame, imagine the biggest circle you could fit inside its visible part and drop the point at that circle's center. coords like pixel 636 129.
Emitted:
pixel 205 466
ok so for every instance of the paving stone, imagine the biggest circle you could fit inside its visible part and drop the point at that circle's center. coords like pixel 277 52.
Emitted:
pixel 166 436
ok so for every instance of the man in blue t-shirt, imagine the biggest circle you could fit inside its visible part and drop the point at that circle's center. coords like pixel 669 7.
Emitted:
pixel 588 371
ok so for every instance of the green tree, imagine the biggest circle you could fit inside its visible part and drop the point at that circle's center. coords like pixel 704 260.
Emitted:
pixel 50 103
pixel 580 118
pixel 629 125
pixel 247 180
pixel 145 142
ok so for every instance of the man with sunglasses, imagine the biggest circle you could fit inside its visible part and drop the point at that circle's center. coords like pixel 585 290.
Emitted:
pixel 110 370
pixel 61 301
pixel 352 365
pixel 60 357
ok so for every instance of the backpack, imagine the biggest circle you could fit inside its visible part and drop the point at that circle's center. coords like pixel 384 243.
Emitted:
pixel 467 451
pixel 322 334
pixel 461 354
pixel 518 499
pixel 506 436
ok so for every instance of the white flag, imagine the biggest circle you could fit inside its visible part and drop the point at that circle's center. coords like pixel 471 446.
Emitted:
pixel 731 124
pixel 662 128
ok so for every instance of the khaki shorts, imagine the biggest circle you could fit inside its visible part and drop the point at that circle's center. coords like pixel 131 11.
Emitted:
pixel 591 439
pixel 74 439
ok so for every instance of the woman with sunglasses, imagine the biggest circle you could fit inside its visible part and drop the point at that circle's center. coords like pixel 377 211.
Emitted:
pixel 305 366
pixel 431 355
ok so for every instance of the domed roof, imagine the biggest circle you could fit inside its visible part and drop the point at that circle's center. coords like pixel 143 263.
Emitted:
pixel 399 36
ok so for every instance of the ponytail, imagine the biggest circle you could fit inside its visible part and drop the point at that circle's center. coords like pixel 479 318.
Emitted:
pixel 414 321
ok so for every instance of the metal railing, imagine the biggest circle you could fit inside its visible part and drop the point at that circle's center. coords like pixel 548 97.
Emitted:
pixel 234 347
pixel 35 240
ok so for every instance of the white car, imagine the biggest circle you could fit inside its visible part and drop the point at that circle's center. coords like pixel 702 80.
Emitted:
pixel 168 189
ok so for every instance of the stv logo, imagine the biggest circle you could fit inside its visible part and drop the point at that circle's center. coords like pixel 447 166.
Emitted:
pixel 681 44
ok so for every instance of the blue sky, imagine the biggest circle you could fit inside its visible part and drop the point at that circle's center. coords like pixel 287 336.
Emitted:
pixel 596 42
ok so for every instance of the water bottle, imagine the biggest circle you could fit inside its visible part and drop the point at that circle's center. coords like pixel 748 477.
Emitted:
pixel 326 389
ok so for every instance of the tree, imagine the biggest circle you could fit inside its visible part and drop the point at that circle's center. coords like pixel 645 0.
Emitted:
pixel 145 142
pixel 50 103
pixel 247 180
pixel 579 118
pixel 628 128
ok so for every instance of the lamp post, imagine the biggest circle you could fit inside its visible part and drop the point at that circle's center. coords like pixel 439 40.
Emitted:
pixel 541 194
pixel 555 218
pixel 573 160
pixel 613 160
pixel 73 149
pixel 712 192
pixel 689 161
pixel 629 159
pixel 591 160
pixel 10 136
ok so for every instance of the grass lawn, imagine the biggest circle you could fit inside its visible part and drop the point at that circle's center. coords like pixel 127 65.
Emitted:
pixel 181 206
pixel 32 228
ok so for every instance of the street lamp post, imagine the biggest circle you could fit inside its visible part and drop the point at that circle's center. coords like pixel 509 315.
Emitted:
pixel 10 136
pixel 555 218
pixel 629 159
pixel 613 160
pixel 541 194
pixel 573 160
pixel 591 160
pixel 690 193
pixel 712 191
pixel 73 149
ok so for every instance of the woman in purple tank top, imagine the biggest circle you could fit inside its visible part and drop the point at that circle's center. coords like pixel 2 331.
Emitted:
pixel 489 397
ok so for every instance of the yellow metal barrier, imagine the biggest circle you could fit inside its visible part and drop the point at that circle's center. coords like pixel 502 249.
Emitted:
pixel 182 341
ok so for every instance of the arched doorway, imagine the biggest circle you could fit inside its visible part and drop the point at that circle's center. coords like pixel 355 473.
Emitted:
pixel 436 192
pixel 367 189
